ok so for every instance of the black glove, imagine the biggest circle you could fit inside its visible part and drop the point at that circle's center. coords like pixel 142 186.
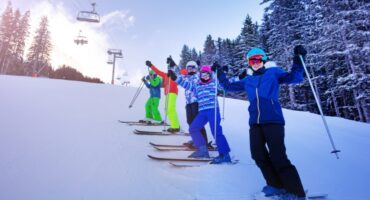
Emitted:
pixel 216 66
pixel 198 63
pixel 225 68
pixel 148 63
pixel 143 79
pixel 299 50
pixel 172 75
pixel 243 74
pixel 170 62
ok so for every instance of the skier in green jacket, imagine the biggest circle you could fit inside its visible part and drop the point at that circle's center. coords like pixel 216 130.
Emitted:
pixel 153 83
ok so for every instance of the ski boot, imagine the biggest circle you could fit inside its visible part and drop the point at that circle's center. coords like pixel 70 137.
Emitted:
pixel 173 130
pixel 272 191
pixel 290 196
pixel 189 144
pixel 222 158
pixel 202 152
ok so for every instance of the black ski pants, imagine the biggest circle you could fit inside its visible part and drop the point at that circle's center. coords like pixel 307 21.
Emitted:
pixel 268 151
pixel 191 113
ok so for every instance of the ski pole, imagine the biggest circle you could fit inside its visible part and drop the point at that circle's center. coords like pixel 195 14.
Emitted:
pixel 166 90
pixel 215 122
pixel 136 94
pixel 223 106
pixel 335 150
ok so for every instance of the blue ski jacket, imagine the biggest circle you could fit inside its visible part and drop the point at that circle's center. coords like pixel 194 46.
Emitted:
pixel 205 93
pixel 154 87
pixel 263 92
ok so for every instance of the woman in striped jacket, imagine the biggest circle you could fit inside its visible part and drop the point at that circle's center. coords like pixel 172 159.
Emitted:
pixel 205 91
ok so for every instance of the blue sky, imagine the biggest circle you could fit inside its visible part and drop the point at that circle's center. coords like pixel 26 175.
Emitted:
pixel 144 30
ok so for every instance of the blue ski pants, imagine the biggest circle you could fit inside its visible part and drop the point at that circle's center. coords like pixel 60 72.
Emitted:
pixel 200 121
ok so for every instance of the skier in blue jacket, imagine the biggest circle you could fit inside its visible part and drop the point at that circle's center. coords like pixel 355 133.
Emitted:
pixel 205 91
pixel 267 122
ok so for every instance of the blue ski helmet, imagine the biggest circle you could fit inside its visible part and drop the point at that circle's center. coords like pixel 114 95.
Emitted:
pixel 256 51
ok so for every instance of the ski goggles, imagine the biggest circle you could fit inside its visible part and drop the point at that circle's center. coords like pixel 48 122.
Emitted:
pixel 205 75
pixel 254 61
pixel 191 67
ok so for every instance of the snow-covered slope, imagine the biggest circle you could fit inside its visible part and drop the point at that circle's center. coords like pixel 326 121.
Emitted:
pixel 61 140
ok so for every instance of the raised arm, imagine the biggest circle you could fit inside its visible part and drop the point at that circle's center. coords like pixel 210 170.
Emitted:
pixel 296 73
pixel 292 77
pixel 225 83
pixel 155 69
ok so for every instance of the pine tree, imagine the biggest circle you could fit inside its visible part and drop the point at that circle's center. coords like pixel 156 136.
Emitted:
pixel 247 40
pixel 209 51
pixel 346 56
pixel 6 33
pixel 287 20
pixel 185 56
pixel 39 52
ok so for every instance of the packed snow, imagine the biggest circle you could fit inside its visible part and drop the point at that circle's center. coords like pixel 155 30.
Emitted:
pixel 61 140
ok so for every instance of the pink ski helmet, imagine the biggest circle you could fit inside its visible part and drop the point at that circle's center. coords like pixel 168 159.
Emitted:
pixel 205 69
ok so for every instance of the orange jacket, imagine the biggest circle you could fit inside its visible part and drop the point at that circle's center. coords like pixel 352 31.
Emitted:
pixel 173 84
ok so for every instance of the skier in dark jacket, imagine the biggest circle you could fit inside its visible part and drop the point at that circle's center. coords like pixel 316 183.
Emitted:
pixel 267 122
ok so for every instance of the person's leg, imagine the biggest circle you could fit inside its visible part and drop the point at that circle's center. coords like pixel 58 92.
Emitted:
pixel 199 142
pixel 155 111
pixel 288 174
pixel 261 156
pixel 191 113
pixel 148 109
pixel 172 114
pixel 195 127
pixel 222 144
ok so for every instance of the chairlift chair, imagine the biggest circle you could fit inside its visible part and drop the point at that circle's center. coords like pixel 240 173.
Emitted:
pixel 80 39
pixel 89 16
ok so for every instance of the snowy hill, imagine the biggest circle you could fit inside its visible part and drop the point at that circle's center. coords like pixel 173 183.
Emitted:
pixel 61 140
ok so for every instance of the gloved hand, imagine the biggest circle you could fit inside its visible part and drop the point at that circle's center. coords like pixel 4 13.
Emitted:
pixel 216 66
pixel 143 79
pixel 172 75
pixel 198 62
pixel 299 50
pixel 243 74
pixel 170 62
pixel 148 63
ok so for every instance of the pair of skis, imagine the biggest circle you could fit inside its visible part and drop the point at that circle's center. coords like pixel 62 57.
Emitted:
pixel 163 133
pixel 318 196
pixel 146 123
pixel 179 162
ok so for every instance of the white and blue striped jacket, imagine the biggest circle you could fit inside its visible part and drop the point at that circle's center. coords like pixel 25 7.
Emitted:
pixel 205 93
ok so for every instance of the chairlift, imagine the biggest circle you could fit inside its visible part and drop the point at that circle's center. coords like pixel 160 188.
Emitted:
pixel 89 16
pixel 80 40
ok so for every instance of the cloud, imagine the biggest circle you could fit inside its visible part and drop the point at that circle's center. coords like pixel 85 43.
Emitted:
pixel 90 59
pixel 117 20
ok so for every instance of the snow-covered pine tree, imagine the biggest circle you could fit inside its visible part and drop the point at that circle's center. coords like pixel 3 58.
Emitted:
pixel 247 39
pixel 39 52
pixel 209 51
pixel 6 34
pixel 346 55
pixel 286 20
pixel 185 56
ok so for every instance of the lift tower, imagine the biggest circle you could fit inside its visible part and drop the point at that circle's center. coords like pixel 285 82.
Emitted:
pixel 116 53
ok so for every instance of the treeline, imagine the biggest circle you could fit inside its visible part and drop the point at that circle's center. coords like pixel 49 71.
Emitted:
pixel 14 31
pixel 336 35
